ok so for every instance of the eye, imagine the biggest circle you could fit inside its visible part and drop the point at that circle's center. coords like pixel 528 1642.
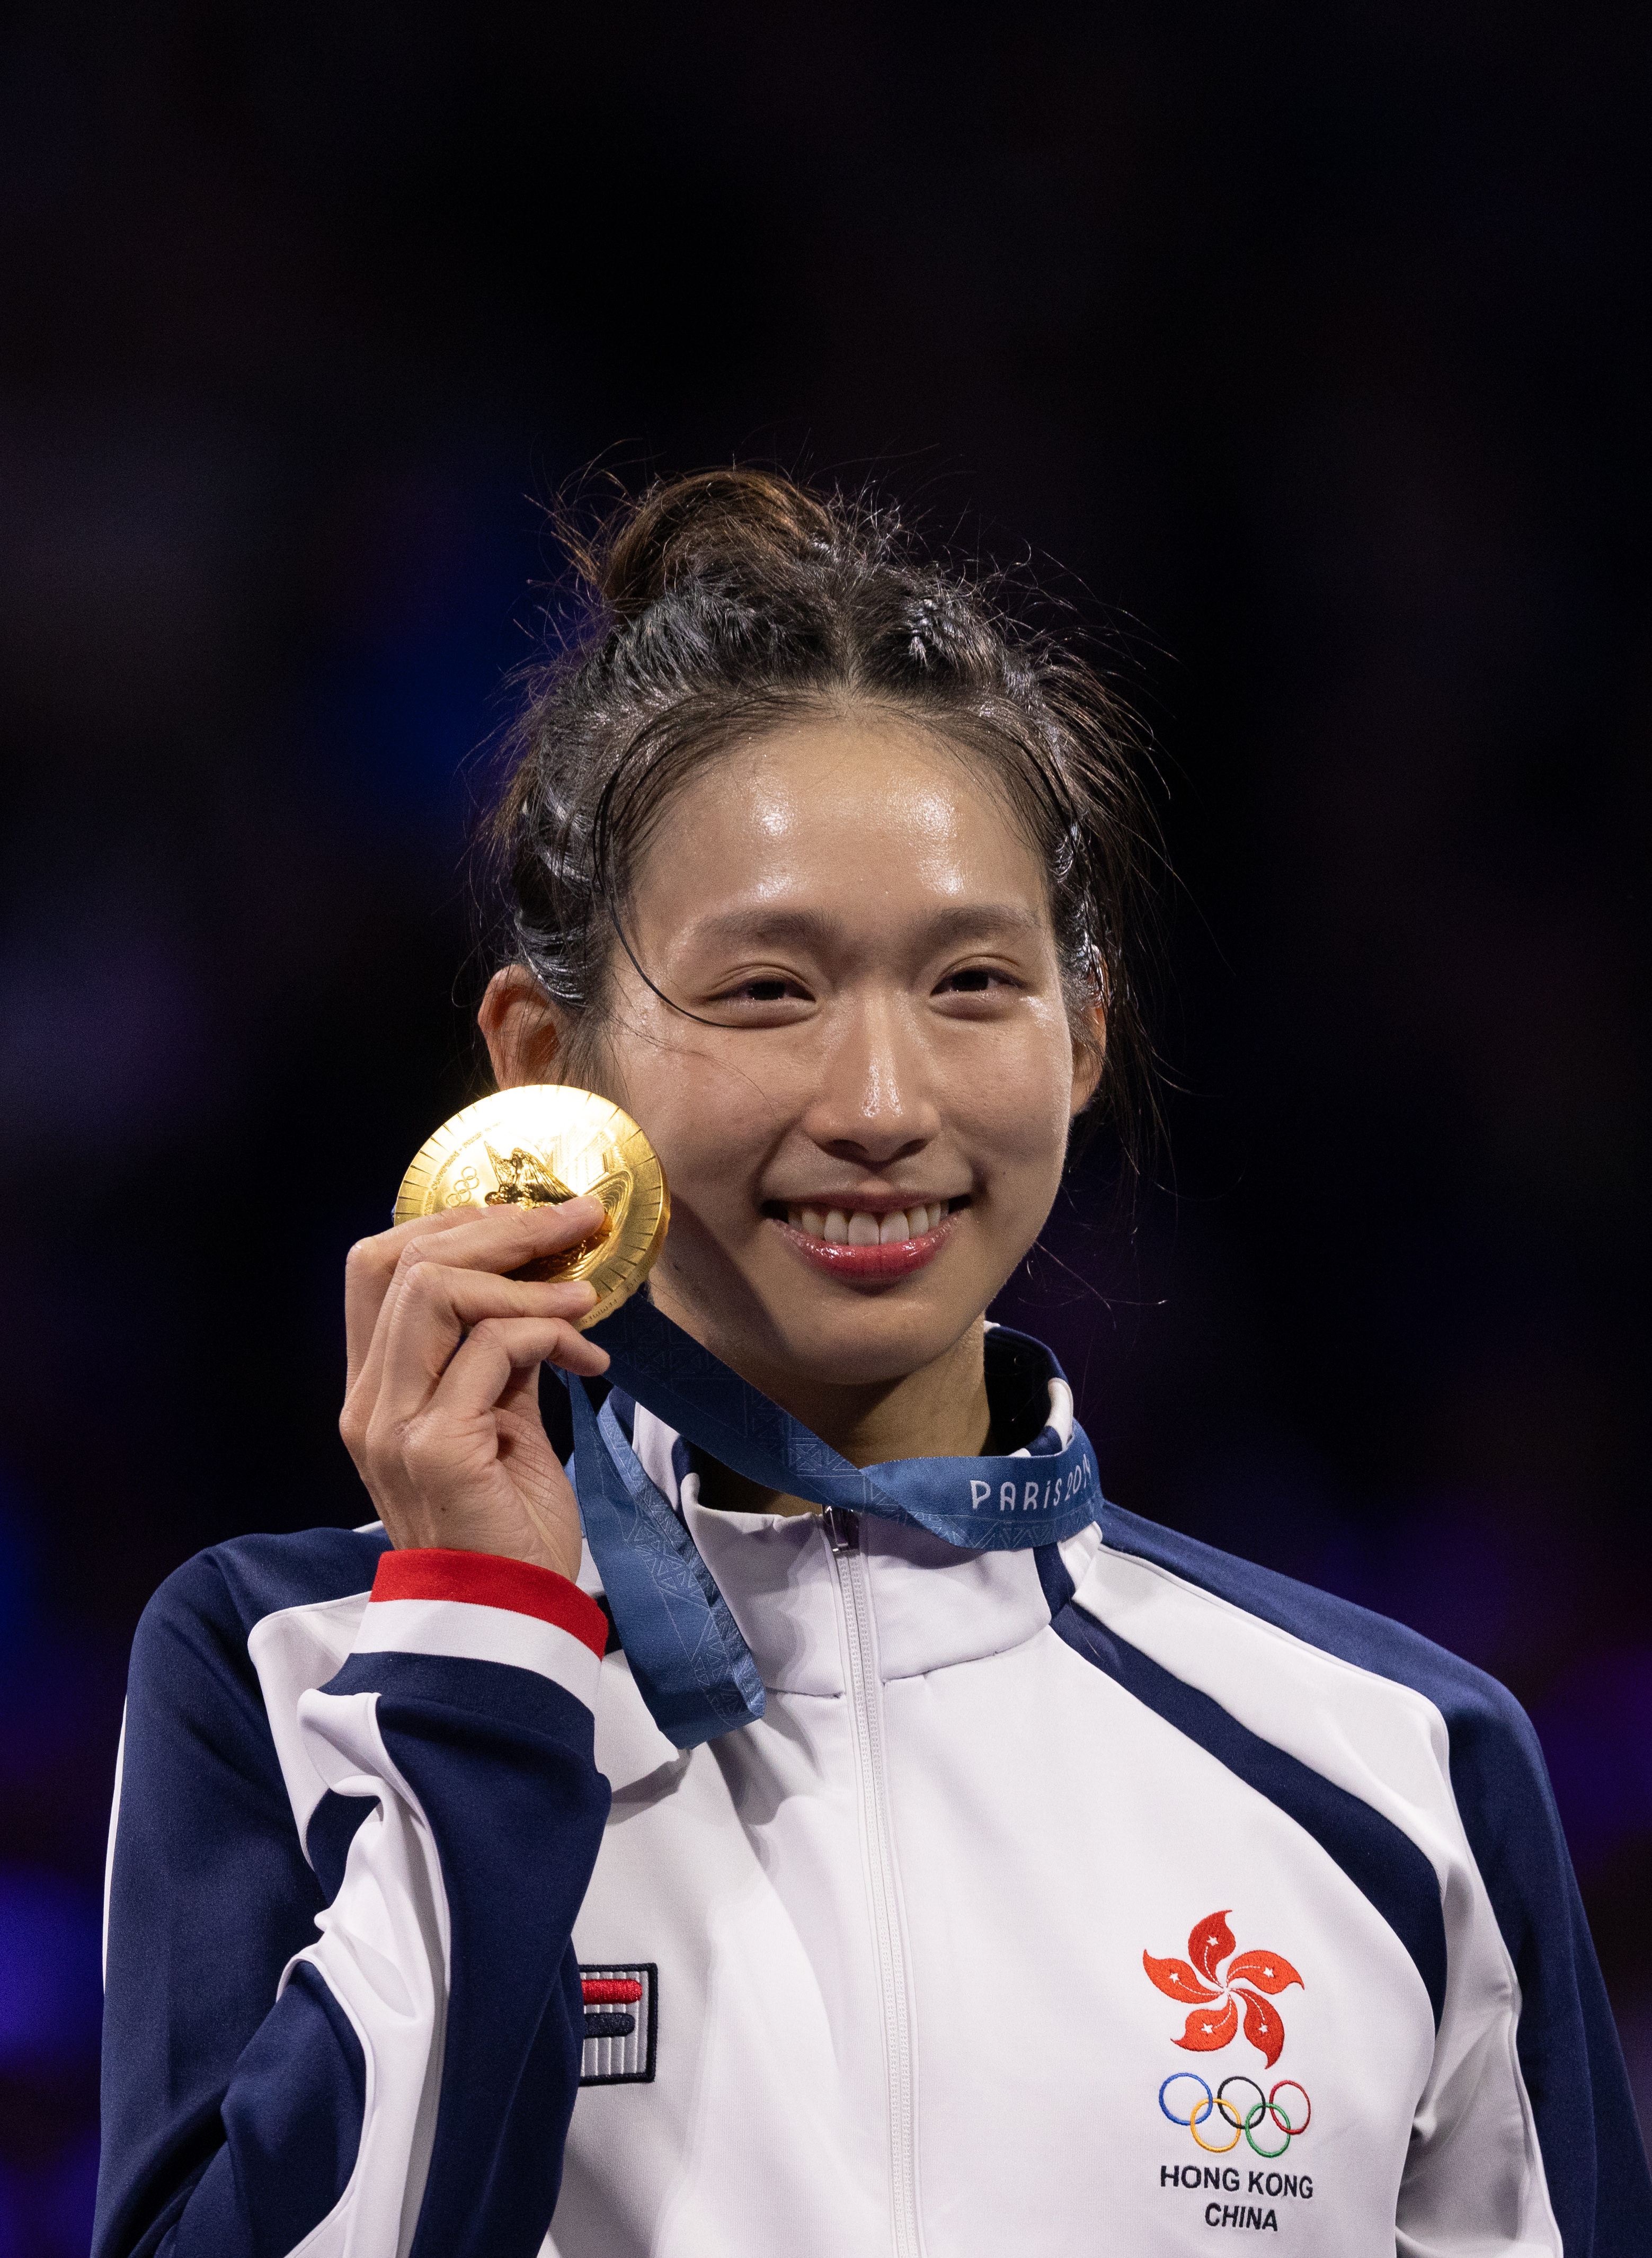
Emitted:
pixel 771 988
pixel 762 997
pixel 978 980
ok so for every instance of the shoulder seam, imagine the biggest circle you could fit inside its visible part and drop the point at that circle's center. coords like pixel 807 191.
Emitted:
pixel 1273 1630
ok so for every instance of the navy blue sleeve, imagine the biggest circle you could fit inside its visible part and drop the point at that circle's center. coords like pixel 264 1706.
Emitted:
pixel 1570 2056
pixel 237 2112
pixel 500 1761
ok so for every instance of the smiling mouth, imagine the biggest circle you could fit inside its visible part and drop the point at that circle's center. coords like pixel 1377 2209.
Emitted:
pixel 867 1247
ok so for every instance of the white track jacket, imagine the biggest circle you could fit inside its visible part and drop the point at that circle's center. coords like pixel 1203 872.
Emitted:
pixel 1115 1897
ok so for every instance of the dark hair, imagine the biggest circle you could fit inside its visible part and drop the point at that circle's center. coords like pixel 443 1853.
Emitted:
pixel 738 600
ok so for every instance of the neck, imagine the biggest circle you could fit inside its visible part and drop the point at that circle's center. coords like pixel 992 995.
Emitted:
pixel 939 1411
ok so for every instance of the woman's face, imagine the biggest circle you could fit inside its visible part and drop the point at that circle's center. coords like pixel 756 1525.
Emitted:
pixel 868 1136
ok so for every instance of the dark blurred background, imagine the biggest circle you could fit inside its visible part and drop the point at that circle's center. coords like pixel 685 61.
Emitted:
pixel 1304 348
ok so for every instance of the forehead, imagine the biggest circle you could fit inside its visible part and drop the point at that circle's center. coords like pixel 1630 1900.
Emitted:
pixel 859 811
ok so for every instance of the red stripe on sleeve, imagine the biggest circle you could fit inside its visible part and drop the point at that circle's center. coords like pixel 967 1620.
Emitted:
pixel 611 1991
pixel 488 1580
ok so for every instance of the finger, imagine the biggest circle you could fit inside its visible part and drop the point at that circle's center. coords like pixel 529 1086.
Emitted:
pixel 504 1237
pixel 486 1240
pixel 454 1436
pixel 435 1307
pixel 369 1268
pixel 482 1368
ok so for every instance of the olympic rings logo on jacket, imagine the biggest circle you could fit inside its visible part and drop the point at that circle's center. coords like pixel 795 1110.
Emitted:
pixel 1241 2117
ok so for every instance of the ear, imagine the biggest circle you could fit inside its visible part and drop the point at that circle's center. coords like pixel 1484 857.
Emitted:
pixel 1090 1055
pixel 526 1034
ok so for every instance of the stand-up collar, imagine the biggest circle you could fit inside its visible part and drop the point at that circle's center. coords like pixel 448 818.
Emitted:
pixel 682 1634
pixel 935 1604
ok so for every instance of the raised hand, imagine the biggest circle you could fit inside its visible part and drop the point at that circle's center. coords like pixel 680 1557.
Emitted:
pixel 442 1396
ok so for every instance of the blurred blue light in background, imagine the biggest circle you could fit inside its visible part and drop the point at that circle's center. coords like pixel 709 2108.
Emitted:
pixel 50 1935
pixel 1596 1728
pixel 51 1985
pixel 425 582
pixel 48 2213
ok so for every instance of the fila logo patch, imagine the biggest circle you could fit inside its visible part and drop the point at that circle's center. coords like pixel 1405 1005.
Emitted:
pixel 621 2022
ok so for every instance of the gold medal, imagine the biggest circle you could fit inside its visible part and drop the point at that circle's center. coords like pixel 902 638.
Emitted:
pixel 536 1146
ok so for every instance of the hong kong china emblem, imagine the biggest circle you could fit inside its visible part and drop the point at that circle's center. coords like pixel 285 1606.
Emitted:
pixel 1228 1992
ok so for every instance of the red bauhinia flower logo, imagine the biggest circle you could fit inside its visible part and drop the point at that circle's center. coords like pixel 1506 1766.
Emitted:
pixel 1249 1975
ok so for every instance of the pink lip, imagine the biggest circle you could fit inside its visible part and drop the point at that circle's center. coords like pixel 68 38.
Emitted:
pixel 869 1266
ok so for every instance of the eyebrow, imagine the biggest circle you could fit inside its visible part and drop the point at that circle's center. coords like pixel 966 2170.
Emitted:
pixel 815 928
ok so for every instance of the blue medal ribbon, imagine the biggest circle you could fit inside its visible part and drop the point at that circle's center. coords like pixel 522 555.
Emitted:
pixel 692 1666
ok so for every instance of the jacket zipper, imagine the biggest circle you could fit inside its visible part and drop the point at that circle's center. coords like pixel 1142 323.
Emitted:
pixel 843 1533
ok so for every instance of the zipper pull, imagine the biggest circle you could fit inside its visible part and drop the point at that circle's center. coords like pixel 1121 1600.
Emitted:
pixel 842 1528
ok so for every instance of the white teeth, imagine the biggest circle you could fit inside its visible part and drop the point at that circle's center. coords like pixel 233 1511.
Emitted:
pixel 857 1227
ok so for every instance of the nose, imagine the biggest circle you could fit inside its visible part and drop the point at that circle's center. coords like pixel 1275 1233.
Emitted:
pixel 875 1101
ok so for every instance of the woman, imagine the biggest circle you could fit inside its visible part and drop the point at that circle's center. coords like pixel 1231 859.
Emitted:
pixel 840 1904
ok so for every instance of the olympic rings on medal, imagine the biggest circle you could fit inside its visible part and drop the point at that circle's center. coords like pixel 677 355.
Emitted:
pixel 1244 2119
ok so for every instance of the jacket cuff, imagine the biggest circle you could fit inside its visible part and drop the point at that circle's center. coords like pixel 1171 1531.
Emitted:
pixel 481 1607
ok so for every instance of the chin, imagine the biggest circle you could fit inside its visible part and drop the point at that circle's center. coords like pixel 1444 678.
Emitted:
pixel 781 1325
pixel 865 1345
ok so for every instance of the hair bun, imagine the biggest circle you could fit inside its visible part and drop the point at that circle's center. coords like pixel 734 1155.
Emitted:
pixel 706 526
